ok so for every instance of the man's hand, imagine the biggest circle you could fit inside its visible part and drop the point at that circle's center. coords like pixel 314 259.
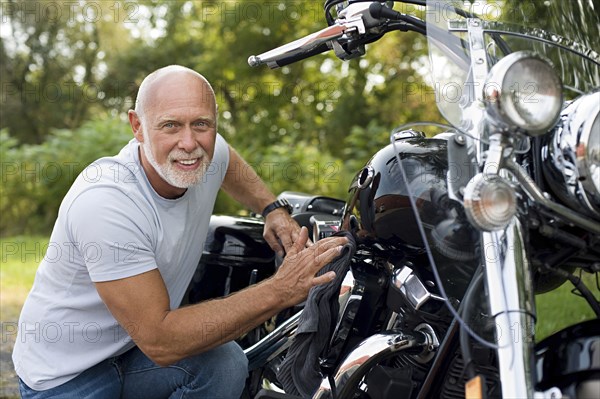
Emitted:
pixel 281 231
pixel 296 275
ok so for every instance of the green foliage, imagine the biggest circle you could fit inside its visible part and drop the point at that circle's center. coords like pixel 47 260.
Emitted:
pixel 36 177
pixel 294 166
pixel 309 126
pixel 317 101
pixel 49 58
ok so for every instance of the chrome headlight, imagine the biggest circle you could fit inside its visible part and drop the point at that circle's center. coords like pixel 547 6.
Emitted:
pixel 572 155
pixel 523 91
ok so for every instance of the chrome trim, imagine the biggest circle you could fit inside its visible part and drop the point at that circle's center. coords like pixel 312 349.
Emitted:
pixel 367 354
pixel 413 290
pixel 366 177
pixel 273 344
pixel 407 134
pixel 479 64
pixel 350 301
pixel 350 23
pixel 300 46
pixel 479 67
pixel 532 190
pixel 510 295
pixel 391 324
pixel 324 226
pixel 584 164
pixel 552 393
pixel 568 152
pixel 433 343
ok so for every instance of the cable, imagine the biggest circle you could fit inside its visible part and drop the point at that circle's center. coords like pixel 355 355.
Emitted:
pixel 464 337
pixel 434 269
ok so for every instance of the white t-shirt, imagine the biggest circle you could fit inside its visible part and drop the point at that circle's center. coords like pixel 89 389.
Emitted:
pixel 111 225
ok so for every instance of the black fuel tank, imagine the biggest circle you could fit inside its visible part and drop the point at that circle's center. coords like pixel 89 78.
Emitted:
pixel 379 209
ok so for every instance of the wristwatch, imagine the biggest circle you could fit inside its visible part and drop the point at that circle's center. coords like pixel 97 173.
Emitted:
pixel 280 203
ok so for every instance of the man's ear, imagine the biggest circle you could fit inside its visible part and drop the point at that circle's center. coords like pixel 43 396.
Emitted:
pixel 136 125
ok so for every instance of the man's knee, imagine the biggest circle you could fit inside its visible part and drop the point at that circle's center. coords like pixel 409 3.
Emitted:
pixel 234 361
pixel 224 368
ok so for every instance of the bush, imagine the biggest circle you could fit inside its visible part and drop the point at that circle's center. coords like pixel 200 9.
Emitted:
pixel 35 178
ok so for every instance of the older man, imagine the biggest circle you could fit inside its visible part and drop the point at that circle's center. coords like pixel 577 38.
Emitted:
pixel 102 319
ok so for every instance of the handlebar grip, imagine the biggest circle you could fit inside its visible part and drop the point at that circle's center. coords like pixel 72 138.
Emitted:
pixel 281 62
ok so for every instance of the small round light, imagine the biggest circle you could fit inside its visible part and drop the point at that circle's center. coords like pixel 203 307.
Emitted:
pixel 490 202
pixel 523 91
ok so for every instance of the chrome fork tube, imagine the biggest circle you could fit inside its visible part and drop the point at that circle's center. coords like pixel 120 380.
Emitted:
pixel 508 279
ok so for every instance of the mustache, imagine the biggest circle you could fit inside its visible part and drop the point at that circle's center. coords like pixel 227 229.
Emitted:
pixel 180 154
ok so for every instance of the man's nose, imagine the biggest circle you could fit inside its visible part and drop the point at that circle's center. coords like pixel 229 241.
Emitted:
pixel 187 141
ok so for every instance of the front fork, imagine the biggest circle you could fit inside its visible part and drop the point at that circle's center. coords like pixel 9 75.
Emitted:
pixel 510 293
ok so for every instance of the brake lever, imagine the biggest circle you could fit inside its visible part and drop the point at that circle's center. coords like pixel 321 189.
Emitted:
pixel 353 22
pixel 312 44
pixel 303 45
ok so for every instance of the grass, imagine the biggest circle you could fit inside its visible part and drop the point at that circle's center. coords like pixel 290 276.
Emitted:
pixel 561 308
pixel 19 258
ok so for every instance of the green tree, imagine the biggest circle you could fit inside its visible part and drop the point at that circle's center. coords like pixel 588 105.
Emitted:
pixel 308 126
pixel 315 102
pixel 51 61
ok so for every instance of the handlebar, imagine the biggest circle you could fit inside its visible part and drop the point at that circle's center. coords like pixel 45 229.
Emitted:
pixel 310 45
pixel 353 22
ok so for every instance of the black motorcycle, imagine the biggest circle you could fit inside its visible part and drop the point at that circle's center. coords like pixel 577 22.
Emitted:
pixel 454 233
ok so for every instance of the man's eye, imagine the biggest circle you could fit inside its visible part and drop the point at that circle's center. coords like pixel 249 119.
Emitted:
pixel 169 125
pixel 202 124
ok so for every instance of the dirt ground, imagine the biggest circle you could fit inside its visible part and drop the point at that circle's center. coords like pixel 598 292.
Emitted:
pixel 9 387
pixel 9 316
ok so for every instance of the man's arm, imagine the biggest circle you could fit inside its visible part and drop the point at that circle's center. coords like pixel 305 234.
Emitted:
pixel 141 304
pixel 243 184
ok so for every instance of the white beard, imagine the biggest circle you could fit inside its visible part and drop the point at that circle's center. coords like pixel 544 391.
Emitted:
pixel 170 173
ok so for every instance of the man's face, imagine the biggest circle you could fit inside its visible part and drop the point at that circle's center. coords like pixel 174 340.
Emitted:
pixel 181 169
pixel 177 133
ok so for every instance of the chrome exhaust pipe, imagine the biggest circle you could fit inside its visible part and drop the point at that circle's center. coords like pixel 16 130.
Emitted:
pixel 273 344
pixel 370 352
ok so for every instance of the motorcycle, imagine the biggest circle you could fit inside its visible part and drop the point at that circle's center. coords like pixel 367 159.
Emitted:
pixel 454 233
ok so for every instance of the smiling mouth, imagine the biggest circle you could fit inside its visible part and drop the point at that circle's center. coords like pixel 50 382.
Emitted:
pixel 187 162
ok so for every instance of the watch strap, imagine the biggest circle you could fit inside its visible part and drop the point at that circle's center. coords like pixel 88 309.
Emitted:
pixel 280 203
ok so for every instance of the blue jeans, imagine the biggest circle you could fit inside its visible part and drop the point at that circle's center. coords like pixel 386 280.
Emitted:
pixel 218 373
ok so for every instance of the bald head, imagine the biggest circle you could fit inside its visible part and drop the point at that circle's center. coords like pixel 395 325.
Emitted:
pixel 170 78
pixel 175 122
